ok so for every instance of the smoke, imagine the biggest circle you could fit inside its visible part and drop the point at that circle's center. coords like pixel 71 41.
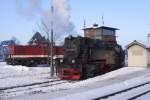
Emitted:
pixel 34 7
pixel 60 17
pixel 29 8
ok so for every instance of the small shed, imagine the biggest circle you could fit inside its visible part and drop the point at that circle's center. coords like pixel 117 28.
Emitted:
pixel 138 54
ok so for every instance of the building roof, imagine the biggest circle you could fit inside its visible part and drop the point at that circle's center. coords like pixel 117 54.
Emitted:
pixel 144 44
pixel 7 42
pixel 101 27
pixel 109 28
pixel 37 38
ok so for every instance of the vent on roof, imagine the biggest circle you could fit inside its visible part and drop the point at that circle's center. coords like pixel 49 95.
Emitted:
pixel 95 25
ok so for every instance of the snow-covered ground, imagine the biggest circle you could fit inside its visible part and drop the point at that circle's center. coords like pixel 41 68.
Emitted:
pixel 81 90
pixel 19 75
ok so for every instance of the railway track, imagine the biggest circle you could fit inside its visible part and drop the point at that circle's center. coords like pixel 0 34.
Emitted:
pixel 135 92
pixel 29 88
pixel 26 75
pixel 139 95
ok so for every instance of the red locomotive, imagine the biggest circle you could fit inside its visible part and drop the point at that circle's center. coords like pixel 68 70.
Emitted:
pixel 31 55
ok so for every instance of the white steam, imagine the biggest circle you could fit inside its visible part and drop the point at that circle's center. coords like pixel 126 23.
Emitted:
pixel 61 16
pixel 29 8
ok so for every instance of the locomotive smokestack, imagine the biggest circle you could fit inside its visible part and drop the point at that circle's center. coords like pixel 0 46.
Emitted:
pixel 95 25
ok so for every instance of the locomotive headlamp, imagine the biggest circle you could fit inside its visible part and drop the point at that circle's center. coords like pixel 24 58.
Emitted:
pixel 61 60
pixel 73 61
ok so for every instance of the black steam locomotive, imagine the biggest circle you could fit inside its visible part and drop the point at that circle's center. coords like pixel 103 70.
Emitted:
pixel 85 57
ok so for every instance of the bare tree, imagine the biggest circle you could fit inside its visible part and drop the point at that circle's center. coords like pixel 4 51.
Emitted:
pixel 45 29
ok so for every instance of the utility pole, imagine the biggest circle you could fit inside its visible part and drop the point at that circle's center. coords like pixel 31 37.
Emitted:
pixel 148 36
pixel 52 32
pixel 84 24
pixel 103 20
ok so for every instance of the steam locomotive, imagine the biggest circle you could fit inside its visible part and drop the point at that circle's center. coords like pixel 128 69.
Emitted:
pixel 94 54
pixel 85 57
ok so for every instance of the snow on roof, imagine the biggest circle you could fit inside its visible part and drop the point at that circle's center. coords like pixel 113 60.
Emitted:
pixel 7 42
pixel 144 44
pixel 101 27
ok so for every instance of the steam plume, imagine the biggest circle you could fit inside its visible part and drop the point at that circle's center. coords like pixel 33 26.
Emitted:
pixel 61 16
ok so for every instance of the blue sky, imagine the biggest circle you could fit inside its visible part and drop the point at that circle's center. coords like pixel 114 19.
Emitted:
pixel 132 17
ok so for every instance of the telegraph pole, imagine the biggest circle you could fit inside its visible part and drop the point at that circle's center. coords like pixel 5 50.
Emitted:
pixel 84 24
pixel 148 36
pixel 103 20
pixel 52 32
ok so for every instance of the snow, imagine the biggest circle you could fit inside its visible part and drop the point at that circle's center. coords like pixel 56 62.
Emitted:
pixel 89 95
pixel 82 90
pixel 16 68
pixel 110 75
pixel 20 75
pixel 145 97
pixel 98 92
pixel 130 94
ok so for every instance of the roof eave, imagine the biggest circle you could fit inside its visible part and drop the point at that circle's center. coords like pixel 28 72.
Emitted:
pixel 137 43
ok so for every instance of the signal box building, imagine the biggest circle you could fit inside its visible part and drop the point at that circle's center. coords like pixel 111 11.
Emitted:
pixel 138 54
pixel 102 33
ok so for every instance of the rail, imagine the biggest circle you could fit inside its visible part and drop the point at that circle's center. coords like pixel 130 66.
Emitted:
pixel 28 88
pixel 125 90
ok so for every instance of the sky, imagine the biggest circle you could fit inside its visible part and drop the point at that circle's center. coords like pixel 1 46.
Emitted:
pixel 132 17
